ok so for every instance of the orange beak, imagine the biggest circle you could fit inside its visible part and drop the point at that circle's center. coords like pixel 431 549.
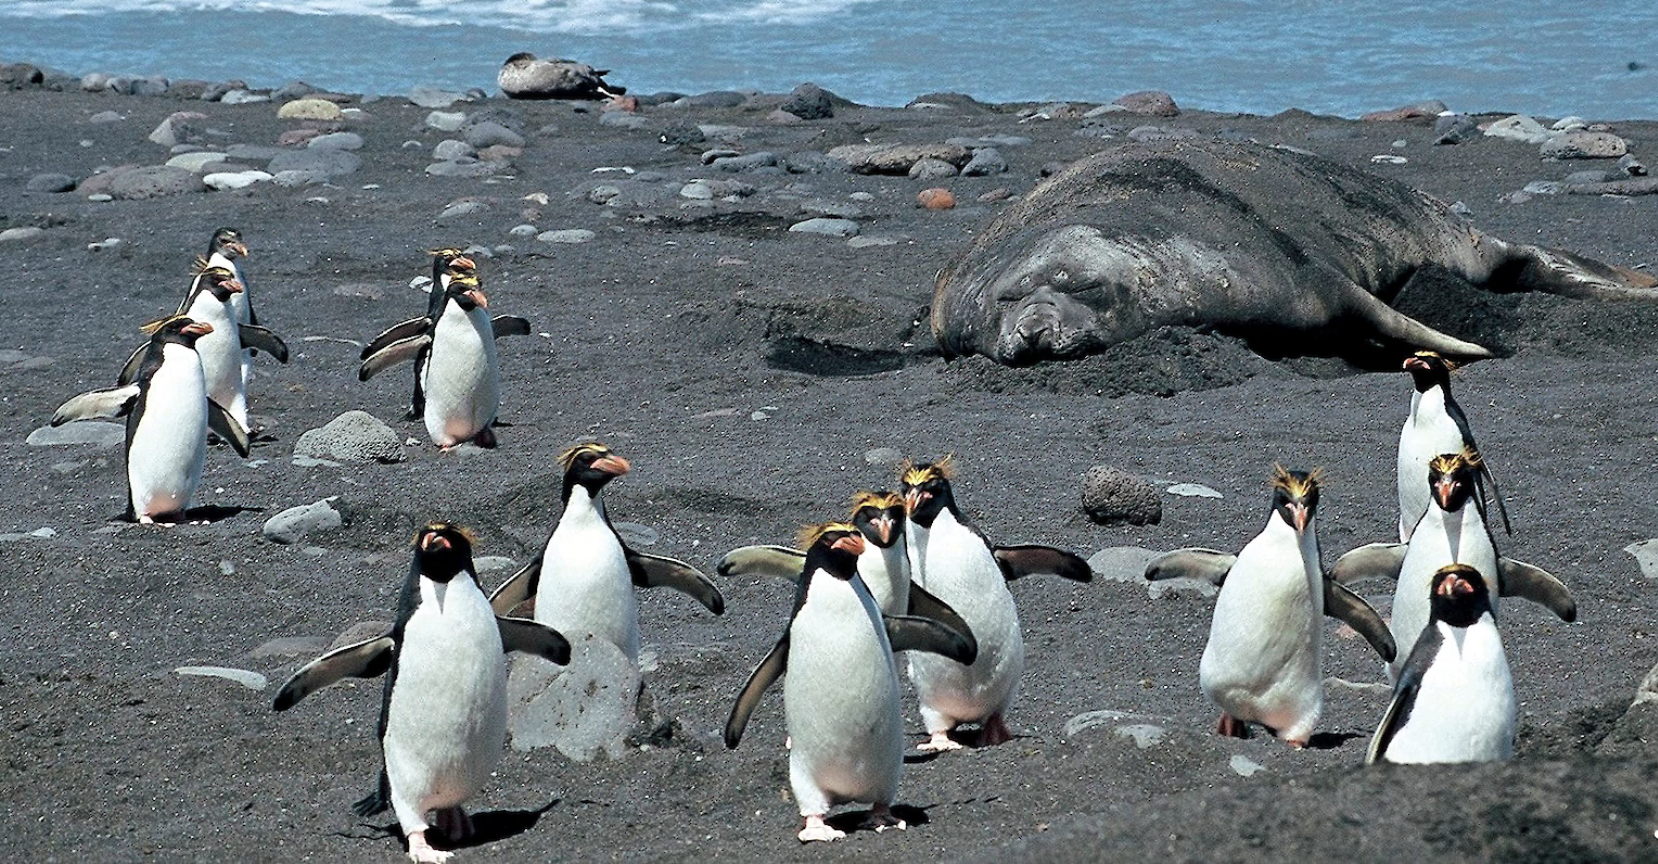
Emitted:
pixel 463 263
pixel 1442 491
pixel 883 528
pixel 233 286
pixel 913 500
pixel 853 543
pixel 478 297
pixel 240 249
pixel 433 543
pixel 613 465
pixel 1298 511
pixel 198 328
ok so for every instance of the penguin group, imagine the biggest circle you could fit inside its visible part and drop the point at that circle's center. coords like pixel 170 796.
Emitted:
pixel 900 580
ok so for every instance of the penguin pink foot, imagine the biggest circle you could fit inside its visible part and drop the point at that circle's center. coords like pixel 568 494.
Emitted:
pixel 939 743
pixel 881 818
pixel 817 829
pixel 1231 727
pixel 421 851
pixel 994 731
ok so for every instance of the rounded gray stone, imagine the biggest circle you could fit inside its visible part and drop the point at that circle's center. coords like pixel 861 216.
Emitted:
pixel 826 226
pixel 330 162
pixel 1585 145
pixel 25 232
pixel 355 436
pixel 51 183
pixel 810 102
pixel 932 169
pixel 296 523
pixel 95 432
pixel 155 181
pixel 566 235
pixel 336 141
pixel 1111 496
pixel 490 133
pixel 985 162
pixel 451 150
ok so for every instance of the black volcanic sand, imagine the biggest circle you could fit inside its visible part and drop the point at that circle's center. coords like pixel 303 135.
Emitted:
pixel 665 336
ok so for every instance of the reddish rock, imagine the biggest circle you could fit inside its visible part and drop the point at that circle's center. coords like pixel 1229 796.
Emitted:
pixel 499 153
pixel 628 104
pixel 1421 112
pixel 296 137
pixel 1148 103
pixel 936 198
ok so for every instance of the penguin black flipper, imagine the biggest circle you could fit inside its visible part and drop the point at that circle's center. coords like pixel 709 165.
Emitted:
pixel 98 405
pixel 913 633
pixel 228 427
pixel 129 369
pixel 393 354
pixel 1370 561
pixel 369 658
pixel 1404 692
pixel 519 588
pixel 261 339
pixel 656 571
pixel 770 669
pixel 396 333
pixel 1029 559
pixel 779 561
pixel 924 605
pixel 1343 605
pixel 510 325
pixel 1208 565
pixel 530 637
pixel 1519 579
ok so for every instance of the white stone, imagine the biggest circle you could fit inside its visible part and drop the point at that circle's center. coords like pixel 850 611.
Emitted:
pixel 197 161
pixel 1646 556
pixel 250 680
pixel 95 432
pixel 224 180
pixel 1193 490
pixel 445 121
pixel 27 232
pixel 585 709
pixel 1243 766
pixel 566 235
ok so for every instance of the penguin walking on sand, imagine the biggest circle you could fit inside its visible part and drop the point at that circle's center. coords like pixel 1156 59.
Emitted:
pixel 225 249
pixel 1263 662
pixel 953 561
pixel 168 414
pixel 211 299
pixel 583 581
pixel 1436 424
pixel 1453 530
pixel 443 718
pixel 1454 699
pixel 457 373
pixel 840 688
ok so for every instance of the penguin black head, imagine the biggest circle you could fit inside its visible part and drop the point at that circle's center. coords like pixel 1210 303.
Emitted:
pixel 1453 478
pixel 926 488
pixel 451 262
pixel 464 289
pixel 880 516
pixel 1295 496
pixel 1428 370
pixel 218 280
pixel 833 547
pixel 590 465
pixel 1460 595
pixel 181 329
pixel 227 242
pixel 443 551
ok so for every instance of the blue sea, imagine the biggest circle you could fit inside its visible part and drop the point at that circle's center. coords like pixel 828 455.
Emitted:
pixel 1593 59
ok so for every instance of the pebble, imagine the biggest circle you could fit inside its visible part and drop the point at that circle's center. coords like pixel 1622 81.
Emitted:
pixel 1388 159
pixel 451 150
pixel 228 180
pixel 51 183
pixel 294 523
pixel 1519 127
pixel 337 141
pixel 1111 496
pixel 930 169
pixel 895 158
pixel 749 162
pixel 198 161
pixel 809 102
pixel 1646 557
pixel 309 109
pixel 1149 103
pixel 106 117
pixel 181 127
pixel 296 177
pixel 1243 766
pixel 489 133
pixel 26 232
pixel 864 241
pixel 331 163
pixel 434 97
pixel 985 162
pixel 1193 490
pixel 566 235
pixel 1455 129
pixel 492 563
pixel 461 169
pixel 884 457
pixel 462 208
pixel 98 433
pixel 826 225
pixel 525 230
pixel 250 680
pixel 242 97
pixel 1585 145
pixel 355 436
pixel 446 121
pixel 106 243
pixel 936 198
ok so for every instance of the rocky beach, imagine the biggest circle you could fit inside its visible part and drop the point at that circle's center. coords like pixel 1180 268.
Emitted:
pixel 732 289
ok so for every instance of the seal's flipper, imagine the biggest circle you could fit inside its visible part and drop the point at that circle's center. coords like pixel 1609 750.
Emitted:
pixel 511 598
pixel 510 325
pixel 910 633
pixel 1519 579
pixel 1390 323
pixel 769 670
pixel 780 561
pixel 656 571
pixel 1556 271
pixel 261 339
pixel 530 637
pixel 924 605
pixel 228 427
pixel 1343 605
pixel 393 354
pixel 396 333
pixel 1370 561
pixel 1030 559
pixel 369 658
pixel 1208 565
pixel 97 405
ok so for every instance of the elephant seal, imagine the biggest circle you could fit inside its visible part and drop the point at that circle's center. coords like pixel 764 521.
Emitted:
pixel 525 77
pixel 1296 254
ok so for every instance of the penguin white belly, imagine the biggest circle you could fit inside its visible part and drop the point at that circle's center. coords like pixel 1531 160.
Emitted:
pixel 446 722
pixel 1464 709
pixel 1439 539
pixel 840 699
pixel 585 584
pixel 958 568
pixel 1429 431
pixel 167 444
pixel 886 573
pixel 460 379
pixel 221 355
pixel 1263 661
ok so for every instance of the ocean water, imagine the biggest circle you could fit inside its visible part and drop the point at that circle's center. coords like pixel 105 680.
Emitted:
pixel 1593 59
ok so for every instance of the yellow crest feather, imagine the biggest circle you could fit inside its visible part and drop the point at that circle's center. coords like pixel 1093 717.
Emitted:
pixel 149 328
pixel 810 534
pixel 1296 487
pixel 913 474
pixel 881 499
pixel 568 457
